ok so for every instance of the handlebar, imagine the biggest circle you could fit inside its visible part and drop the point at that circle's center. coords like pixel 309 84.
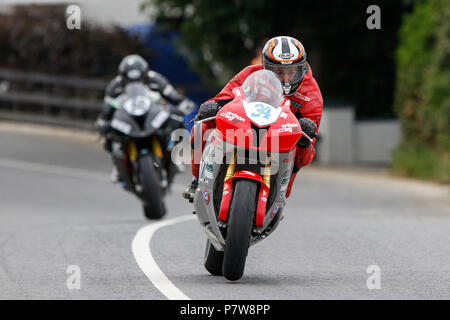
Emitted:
pixel 195 119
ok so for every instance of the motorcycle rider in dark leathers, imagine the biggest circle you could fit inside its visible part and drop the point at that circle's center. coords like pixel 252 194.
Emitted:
pixel 134 68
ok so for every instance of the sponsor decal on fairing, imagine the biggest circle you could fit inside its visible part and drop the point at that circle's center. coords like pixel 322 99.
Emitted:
pixel 288 127
pixel 232 117
pixel 206 195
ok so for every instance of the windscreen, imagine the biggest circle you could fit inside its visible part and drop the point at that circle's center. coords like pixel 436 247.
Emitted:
pixel 136 89
pixel 263 86
pixel 136 99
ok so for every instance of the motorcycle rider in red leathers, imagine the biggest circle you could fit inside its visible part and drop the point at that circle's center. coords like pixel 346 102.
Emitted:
pixel 286 57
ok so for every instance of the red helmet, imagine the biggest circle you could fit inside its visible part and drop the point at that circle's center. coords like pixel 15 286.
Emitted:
pixel 286 57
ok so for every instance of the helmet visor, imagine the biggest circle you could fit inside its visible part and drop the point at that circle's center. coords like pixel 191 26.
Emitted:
pixel 289 75
pixel 134 74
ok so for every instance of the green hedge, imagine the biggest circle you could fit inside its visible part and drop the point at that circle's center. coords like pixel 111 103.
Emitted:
pixel 36 38
pixel 422 99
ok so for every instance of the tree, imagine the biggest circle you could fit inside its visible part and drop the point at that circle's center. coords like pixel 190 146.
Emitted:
pixel 422 98
pixel 36 38
pixel 351 62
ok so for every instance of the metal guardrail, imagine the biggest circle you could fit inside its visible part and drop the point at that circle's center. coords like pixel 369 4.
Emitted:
pixel 13 75
pixel 39 97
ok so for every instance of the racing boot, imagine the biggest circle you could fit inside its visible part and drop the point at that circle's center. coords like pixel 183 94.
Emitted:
pixel 114 176
pixel 189 193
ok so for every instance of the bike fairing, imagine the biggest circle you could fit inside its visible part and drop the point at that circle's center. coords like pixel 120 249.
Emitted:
pixel 216 209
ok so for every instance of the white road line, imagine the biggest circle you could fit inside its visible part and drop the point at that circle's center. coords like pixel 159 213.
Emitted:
pixel 143 255
pixel 52 169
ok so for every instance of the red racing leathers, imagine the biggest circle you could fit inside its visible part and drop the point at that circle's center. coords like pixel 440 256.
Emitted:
pixel 307 102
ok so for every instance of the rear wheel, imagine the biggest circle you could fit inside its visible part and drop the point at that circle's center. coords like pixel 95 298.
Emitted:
pixel 151 191
pixel 213 259
pixel 242 212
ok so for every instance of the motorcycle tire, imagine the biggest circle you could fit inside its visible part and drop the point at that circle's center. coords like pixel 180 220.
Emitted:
pixel 151 192
pixel 241 216
pixel 213 260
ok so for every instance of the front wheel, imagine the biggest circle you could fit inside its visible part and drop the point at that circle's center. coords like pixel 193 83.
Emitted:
pixel 242 212
pixel 151 190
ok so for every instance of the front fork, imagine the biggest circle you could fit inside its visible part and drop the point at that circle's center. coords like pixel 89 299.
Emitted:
pixel 133 150
pixel 133 154
pixel 228 191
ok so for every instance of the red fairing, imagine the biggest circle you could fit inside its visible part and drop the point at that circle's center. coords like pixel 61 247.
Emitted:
pixel 236 128
pixel 226 198
pixel 262 196
pixel 199 135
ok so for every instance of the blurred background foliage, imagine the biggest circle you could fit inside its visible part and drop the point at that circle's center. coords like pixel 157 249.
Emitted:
pixel 422 98
pixel 352 64
pixel 37 39
pixel 401 70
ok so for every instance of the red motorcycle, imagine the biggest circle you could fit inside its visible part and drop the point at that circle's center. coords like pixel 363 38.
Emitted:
pixel 244 172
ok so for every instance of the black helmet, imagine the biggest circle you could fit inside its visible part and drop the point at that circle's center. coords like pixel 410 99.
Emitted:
pixel 286 57
pixel 133 68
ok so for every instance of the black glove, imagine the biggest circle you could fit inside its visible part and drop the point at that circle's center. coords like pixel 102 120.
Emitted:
pixel 208 109
pixel 186 106
pixel 102 125
pixel 309 128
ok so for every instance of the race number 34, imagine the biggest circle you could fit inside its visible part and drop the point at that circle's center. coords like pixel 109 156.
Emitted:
pixel 262 110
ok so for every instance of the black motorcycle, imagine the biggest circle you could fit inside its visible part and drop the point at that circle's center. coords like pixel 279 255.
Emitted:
pixel 141 128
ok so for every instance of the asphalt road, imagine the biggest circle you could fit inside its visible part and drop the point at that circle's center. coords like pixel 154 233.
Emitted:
pixel 58 209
